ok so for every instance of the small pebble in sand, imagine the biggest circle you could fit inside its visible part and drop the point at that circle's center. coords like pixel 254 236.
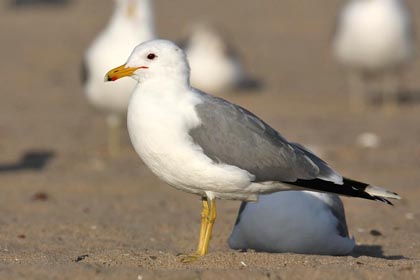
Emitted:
pixel 375 232
pixel 40 196
pixel 368 140
pixel 243 264
pixel 81 258
pixel 139 277
pixel 409 216
pixel 361 230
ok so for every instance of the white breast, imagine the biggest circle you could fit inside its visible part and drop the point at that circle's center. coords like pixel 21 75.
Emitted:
pixel 158 126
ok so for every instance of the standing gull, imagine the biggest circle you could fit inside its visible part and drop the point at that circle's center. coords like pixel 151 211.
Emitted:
pixel 207 50
pixel 207 146
pixel 300 222
pixel 131 24
pixel 374 39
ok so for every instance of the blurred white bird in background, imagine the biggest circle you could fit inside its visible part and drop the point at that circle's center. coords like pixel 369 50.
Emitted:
pixel 131 23
pixel 215 65
pixel 302 222
pixel 374 39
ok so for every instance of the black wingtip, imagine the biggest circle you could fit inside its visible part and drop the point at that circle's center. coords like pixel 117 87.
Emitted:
pixel 349 188
pixel 378 198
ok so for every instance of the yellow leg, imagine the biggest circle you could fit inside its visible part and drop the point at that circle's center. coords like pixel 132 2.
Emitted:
pixel 204 214
pixel 211 218
pixel 208 216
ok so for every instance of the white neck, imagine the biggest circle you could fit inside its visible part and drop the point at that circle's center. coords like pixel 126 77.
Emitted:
pixel 163 88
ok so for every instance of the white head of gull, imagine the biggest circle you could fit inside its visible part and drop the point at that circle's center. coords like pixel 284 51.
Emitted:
pixel 210 147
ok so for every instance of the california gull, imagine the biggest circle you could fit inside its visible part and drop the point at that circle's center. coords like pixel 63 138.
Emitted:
pixel 210 147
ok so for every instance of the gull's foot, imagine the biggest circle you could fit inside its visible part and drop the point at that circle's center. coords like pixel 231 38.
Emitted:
pixel 189 258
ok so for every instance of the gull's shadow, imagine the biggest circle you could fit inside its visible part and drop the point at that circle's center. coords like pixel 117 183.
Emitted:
pixel 250 85
pixel 405 97
pixel 30 160
pixel 409 97
pixel 374 251
pixel 23 3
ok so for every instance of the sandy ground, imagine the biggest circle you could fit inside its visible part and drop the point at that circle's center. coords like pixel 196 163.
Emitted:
pixel 119 221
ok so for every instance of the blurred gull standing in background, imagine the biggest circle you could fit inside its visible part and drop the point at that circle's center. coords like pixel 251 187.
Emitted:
pixel 131 24
pixel 300 222
pixel 374 39
pixel 215 65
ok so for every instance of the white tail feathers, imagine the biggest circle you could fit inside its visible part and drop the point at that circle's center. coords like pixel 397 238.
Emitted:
pixel 381 192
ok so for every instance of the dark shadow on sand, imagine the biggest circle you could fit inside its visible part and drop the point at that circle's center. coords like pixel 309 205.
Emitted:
pixel 32 3
pixel 374 251
pixel 405 98
pixel 250 85
pixel 30 160
pixel 409 97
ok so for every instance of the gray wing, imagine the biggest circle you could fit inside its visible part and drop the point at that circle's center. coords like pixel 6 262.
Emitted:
pixel 232 135
pixel 325 171
pixel 337 209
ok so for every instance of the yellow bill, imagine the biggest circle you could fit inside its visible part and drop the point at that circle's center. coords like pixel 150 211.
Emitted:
pixel 120 72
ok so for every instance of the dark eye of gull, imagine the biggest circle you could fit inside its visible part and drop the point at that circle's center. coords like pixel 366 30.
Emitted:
pixel 151 56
